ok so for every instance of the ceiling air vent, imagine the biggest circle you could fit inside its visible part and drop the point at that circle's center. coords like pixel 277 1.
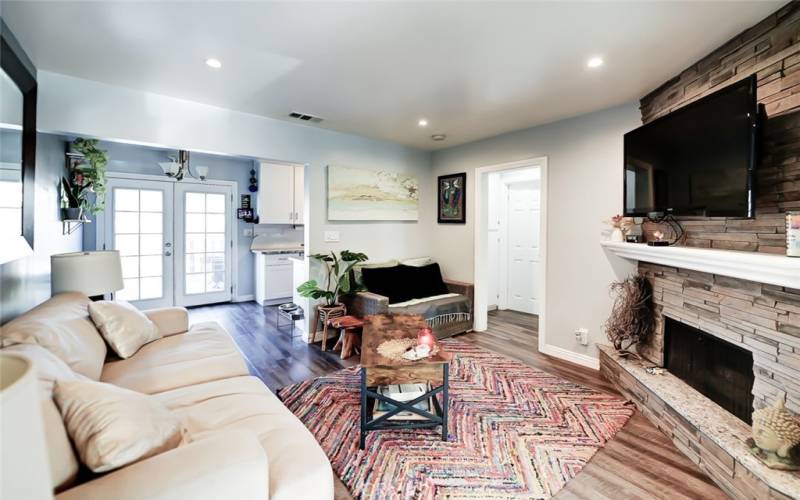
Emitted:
pixel 304 117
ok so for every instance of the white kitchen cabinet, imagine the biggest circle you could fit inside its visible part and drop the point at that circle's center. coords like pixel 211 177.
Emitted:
pixel 299 194
pixel 281 194
pixel 274 282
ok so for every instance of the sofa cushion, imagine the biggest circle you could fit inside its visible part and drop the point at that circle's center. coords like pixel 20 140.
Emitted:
pixel 298 468
pixel 124 327
pixel 112 427
pixel 49 368
pixel 206 352
pixel 62 326
pixel 358 268
pixel 387 281
pixel 423 281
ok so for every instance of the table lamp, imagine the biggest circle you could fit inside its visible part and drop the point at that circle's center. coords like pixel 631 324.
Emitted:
pixel 92 273
pixel 26 466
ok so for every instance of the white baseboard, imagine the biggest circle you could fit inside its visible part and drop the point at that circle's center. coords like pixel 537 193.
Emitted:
pixel 573 357
pixel 244 298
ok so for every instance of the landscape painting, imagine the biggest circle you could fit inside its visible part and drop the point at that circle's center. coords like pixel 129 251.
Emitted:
pixel 361 194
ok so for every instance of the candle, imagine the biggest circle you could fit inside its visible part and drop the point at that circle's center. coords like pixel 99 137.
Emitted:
pixel 426 337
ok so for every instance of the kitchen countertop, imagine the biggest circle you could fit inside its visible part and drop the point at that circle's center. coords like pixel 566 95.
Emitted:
pixel 278 251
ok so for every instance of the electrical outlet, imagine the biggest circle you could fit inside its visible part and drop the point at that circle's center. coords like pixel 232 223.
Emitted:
pixel 248 231
pixel 331 236
pixel 582 335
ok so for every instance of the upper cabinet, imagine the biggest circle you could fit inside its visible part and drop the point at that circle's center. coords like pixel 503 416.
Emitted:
pixel 281 194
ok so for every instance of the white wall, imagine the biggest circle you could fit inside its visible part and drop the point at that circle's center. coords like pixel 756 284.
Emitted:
pixel 584 189
pixel 84 107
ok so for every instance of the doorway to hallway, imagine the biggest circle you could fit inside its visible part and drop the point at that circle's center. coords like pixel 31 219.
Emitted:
pixel 514 240
pixel 510 232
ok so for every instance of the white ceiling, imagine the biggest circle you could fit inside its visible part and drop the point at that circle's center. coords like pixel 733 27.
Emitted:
pixel 473 70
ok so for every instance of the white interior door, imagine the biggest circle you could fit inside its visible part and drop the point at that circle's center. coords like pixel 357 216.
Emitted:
pixel 523 246
pixel 204 245
pixel 138 223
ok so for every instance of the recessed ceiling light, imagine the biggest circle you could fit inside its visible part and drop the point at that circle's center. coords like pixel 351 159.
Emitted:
pixel 213 63
pixel 594 62
pixel 422 122
pixel 438 137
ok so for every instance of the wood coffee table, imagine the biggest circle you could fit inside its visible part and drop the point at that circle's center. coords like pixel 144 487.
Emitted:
pixel 379 370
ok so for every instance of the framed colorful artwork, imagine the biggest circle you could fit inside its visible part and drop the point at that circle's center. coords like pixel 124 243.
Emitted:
pixel 452 191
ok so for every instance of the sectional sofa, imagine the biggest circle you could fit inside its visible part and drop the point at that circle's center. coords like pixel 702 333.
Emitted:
pixel 240 441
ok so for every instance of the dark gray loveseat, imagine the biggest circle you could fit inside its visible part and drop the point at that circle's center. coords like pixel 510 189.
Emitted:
pixel 446 315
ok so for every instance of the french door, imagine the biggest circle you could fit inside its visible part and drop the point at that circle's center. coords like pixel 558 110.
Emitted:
pixel 203 247
pixel 174 239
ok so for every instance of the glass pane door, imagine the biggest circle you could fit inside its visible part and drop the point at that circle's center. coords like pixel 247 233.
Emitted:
pixel 138 224
pixel 204 243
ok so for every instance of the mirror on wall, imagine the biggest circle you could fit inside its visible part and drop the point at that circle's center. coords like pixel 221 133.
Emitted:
pixel 10 157
pixel 17 149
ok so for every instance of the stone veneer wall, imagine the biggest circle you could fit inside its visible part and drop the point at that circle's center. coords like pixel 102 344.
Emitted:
pixel 715 442
pixel 764 319
pixel 771 50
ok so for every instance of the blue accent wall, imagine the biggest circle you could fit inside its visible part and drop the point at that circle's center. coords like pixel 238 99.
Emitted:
pixel 135 159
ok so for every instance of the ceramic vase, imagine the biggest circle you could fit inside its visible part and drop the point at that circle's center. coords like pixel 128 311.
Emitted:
pixel 616 235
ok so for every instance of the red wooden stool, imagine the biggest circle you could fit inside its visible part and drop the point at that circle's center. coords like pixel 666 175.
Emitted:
pixel 349 336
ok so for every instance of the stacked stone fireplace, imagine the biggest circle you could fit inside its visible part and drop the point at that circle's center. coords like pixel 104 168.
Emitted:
pixel 761 318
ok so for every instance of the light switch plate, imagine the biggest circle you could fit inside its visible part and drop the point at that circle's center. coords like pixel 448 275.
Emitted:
pixel 331 236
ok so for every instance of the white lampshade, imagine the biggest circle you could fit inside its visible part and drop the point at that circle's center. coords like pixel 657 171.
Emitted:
pixel 202 172
pixel 26 467
pixel 169 167
pixel 93 273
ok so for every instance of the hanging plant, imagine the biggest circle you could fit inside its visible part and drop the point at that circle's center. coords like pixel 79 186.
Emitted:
pixel 87 176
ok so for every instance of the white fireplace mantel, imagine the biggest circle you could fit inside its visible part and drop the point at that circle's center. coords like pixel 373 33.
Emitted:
pixel 753 266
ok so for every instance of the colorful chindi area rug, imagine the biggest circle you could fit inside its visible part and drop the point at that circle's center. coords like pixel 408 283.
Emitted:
pixel 515 432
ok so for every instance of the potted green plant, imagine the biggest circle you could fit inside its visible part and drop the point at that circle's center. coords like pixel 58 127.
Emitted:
pixel 71 200
pixel 337 278
pixel 87 175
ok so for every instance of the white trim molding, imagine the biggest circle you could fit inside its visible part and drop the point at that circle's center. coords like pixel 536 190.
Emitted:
pixel 771 269
pixel 480 255
pixel 571 356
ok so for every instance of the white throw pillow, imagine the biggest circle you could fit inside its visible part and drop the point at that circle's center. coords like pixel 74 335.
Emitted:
pixel 417 261
pixel 112 427
pixel 124 327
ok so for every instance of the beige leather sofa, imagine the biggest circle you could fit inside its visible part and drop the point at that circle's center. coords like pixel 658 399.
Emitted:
pixel 242 443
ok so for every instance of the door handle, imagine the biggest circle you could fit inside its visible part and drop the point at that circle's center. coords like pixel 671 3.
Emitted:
pixel 167 253
pixel 168 244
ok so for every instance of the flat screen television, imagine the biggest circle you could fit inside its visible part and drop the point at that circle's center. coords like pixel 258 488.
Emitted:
pixel 698 160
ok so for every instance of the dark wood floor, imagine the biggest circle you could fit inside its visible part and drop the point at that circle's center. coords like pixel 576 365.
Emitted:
pixel 638 463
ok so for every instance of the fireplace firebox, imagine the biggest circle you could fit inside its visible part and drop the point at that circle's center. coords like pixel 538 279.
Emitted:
pixel 721 371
